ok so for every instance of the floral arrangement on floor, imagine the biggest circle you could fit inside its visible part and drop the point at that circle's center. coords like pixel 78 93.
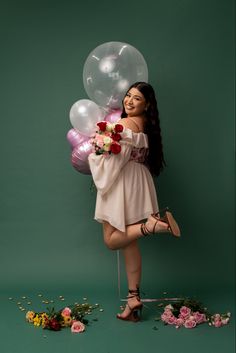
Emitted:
pixel 189 313
pixel 70 316
pixel 106 139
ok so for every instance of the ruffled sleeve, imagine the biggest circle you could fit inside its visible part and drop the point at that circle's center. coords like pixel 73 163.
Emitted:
pixel 106 169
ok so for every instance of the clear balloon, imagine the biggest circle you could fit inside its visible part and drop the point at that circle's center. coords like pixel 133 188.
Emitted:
pixel 109 71
pixel 84 114
pixel 75 138
pixel 113 116
pixel 79 157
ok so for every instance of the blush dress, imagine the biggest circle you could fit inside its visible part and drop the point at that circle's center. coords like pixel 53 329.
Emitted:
pixel 125 189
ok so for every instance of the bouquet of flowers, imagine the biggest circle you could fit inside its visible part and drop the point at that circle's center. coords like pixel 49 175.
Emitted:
pixel 107 138
pixel 189 313
pixel 70 316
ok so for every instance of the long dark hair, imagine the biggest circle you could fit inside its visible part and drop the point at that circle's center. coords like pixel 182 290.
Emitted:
pixel 155 159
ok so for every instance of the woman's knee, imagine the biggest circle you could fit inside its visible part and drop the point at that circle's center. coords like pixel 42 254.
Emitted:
pixel 109 243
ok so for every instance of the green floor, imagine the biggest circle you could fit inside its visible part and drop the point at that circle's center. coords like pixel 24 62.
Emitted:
pixel 106 334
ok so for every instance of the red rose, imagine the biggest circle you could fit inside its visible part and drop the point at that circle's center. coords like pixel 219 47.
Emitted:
pixel 118 128
pixel 115 148
pixel 102 125
pixel 116 137
pixel 54 325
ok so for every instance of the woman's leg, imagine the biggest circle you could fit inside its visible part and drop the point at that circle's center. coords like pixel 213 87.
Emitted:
pixel 133 265
pixel 115 239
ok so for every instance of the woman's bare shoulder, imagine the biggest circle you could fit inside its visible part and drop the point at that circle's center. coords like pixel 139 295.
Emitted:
pixel 129 124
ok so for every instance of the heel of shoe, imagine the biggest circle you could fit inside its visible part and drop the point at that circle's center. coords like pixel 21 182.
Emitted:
pixel 174 228
pixel 169 219
pixel 136 314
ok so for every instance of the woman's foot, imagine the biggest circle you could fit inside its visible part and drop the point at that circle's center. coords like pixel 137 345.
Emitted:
pixel 132 308
pixel 156 224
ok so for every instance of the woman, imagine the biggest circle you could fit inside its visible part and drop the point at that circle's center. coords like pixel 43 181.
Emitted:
pixel 126 193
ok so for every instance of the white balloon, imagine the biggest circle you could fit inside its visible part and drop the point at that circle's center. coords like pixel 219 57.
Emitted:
pixel 109 70
pixel 84 114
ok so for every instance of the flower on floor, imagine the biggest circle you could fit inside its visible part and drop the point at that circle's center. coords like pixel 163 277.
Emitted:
pixel 107 138
pixel 73 317
pixel 189 313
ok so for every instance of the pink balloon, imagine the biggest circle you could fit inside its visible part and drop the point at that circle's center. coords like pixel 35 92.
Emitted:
pixel 113 116
pixel 75 138
pixel 79 157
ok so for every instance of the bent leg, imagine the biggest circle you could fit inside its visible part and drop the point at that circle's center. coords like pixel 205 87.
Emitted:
pixel 115 239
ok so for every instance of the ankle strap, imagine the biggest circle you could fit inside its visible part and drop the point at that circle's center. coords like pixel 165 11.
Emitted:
pixel 134 292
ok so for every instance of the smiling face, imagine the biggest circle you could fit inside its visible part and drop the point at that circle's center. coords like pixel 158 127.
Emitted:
pixel 134 103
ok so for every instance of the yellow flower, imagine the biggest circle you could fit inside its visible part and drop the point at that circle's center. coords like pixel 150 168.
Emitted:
pixel 30 316
pixel 37 320
pixel 45 319
pixel 67 320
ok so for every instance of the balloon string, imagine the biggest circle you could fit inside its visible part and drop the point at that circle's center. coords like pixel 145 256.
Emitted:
pixel 147 300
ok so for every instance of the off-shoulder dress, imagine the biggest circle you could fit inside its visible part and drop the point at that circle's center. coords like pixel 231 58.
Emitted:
pixel 126 192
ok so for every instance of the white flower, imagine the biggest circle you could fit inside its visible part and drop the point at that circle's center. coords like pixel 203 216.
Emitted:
pixel 110 127
pixel 106 148
pixel 169 307
pixel 107 140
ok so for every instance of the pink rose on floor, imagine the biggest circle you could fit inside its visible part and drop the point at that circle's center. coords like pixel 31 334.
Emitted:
pixel 217 323
pixel 66 312
pixel 184 312
pixel 168 312
pixel 179 322
pixel 77 327
pixel 190 323
pixel 171 320
pixel 199 317
pixel 166 315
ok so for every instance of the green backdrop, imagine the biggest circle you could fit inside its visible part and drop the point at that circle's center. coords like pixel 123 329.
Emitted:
pixel 48 238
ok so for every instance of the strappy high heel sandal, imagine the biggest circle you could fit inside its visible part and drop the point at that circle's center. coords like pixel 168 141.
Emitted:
pixel 157 224
pixel 134 312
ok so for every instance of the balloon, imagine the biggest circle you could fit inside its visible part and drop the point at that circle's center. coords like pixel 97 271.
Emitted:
pixel 75 138
pixel 79 157
pixel 110 69
pixel 113 116
pixel 84 114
